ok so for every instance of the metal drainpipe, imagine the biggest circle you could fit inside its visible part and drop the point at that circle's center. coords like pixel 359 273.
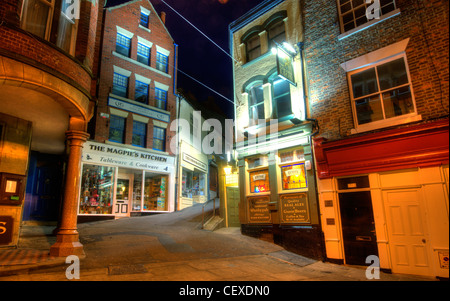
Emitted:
pixel 177 184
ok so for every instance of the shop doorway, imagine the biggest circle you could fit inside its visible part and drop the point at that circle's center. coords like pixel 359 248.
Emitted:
pixel 123 195
pixel 233 206
pixel 358 226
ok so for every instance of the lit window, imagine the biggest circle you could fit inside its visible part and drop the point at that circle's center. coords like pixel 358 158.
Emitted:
pixel 352 13
pixel 139 134
pixel 253 46
pixel 281 97
pixel 143 54
pixel 117 129
pixel 256 103
pixel 37 15
pixel 141 93
pixel 162 62
pixel 123 45
pixel 120 85
pixel 293 176
pixel 161 99
pixel 259 181
pixel 159 138
pixel 381 92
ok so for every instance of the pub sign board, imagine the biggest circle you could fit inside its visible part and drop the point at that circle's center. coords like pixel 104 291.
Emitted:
pixel 258 210
pixel 285 66
pixel 6 230
pixel 294 208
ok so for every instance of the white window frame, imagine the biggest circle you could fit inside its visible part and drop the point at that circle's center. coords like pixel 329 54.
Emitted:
pixel 51 4
pixel 386 122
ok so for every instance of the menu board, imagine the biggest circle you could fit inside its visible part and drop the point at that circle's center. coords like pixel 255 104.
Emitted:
pixel 258 210
pixel 294 208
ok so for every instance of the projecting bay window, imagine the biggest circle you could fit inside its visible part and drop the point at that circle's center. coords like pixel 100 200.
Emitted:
pixel 382 93
pixel 256 104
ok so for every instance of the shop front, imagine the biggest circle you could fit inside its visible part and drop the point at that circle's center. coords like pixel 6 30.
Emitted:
pixel 120 182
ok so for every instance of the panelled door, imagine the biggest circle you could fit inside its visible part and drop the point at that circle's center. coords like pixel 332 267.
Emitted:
pixel 405 219
pixel 233 206
pixel 123 195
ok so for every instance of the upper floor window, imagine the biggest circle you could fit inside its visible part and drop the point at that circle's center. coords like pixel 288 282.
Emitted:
pixel 276 33
pixel 253 47
pixel 37 17
pixel 256 103
pixel 162 62
pixel 141 93
pixel 281 97
pixel 382 91
pixel 123 45
pixel 139 134
pixel 143 54
pixel 161 98
pixel 117 129
pixel 352 13
pixel 144 19
pixel 159 138
pixel 120 85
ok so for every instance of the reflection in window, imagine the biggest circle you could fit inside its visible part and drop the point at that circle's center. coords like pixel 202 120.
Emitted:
pixel 97 184
pixel 256 104
pixel 139 134
pixel 117 129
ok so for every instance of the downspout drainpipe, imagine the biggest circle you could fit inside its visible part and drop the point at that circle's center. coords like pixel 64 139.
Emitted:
pixel 177 177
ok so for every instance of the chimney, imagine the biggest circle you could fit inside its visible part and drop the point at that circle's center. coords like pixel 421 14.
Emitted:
pixel 163 17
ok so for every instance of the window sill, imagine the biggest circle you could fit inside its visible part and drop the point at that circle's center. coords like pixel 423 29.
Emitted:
pixel 140 64
pixel 386 123
pixel 369 24
pixel 144 28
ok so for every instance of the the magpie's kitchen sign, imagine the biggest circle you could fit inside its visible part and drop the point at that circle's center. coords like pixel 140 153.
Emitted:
pixel 98 153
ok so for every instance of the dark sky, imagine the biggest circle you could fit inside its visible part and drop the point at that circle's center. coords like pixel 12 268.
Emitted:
pixel 197 56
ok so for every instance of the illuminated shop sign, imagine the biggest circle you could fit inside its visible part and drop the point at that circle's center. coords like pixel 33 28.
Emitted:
pixel 285 65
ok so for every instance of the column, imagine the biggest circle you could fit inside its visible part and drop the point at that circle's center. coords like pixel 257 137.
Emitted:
pixel 67 239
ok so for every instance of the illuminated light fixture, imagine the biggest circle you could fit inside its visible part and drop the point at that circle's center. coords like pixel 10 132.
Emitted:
pixel 274 51
pixel 227 170
pixel 253 130
pixel 228 156
pixel 288 47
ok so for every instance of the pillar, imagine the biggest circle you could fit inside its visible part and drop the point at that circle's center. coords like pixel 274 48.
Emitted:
pixel 67 238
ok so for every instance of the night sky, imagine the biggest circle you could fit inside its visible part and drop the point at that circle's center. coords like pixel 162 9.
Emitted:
pixel 197 56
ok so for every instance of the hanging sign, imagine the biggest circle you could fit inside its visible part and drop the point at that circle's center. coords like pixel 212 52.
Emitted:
pixel 285 65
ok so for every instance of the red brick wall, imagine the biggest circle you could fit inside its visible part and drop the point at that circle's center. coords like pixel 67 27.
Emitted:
pixel 128 17
pixel 329 99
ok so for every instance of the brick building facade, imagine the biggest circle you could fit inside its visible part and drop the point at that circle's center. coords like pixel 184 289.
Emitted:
pixel 379 90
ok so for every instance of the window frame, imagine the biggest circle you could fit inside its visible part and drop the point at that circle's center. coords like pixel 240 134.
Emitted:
pixel 164 63
pixel 271 40
pixel 252 120
pixel 272 79
pixel 123 130
pixel 48 26
pixel 163 130
pixel 146 22
pixel 147 86
pixel 118 43
pixel 142 133
pixel 385 122
pixel 254 36
pixel 120 76
pixel 139 53
pixel 158 99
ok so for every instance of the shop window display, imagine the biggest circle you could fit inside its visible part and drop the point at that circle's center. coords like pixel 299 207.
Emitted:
pixel 293 176
pixel 96 189
pixel 193 183
pixel 155 192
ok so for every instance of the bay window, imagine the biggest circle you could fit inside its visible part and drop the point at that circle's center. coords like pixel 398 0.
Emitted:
pixel 256 103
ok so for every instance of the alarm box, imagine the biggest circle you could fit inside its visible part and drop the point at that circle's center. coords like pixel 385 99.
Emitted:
pixel 12 188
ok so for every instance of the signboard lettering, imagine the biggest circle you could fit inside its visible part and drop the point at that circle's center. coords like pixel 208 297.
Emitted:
pixel 258 209
pixel 294 208
pixel 6 229
pixel 195 162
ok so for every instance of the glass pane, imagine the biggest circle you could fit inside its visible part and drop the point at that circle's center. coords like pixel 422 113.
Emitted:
pixel 155 192
pixel 398 102
pixel 137 191
pixel 392 74
pixel 122 191
pixel 294 176
pixel 364 83
pixel 116 129
pixel 96 189
pixel 65 28
pixel 198 183
pixel 282 98
pixel 187 183
pixel 357 3
pixel 259 181
pixel 346 7
pixel 369 109
pixel 36 17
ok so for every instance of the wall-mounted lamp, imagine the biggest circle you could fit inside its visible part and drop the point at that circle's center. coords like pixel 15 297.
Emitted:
pixel 227 170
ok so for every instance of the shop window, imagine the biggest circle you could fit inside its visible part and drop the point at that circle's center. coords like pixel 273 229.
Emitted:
pixel 352 13
pixel 161 99
pixel 123 45
pixel 162 62
pixel 259 181
pixel 293 176
pixel 281 97
pixel 256 104
pixel 120 85
pixel 155 192
pixel 141 93
pixel 159 138
pixel 276 34
pixel 193 184
pixel 137 191
pixel 97 184
pixel 143 54
pixel 381 92
pixel 139 134
pixel 117 129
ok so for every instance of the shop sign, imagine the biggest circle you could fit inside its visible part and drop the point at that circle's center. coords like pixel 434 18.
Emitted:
pixel 123 105
pixel 197 163
pixel 260 177
pixel 294 208
pixel 97 153
pixel 6 230
pixel 285 66
pixel 258 210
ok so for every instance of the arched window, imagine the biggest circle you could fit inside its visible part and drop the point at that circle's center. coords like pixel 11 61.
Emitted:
pixel 256 103
pixel 276 33
pixel 281 97
pixel 253 47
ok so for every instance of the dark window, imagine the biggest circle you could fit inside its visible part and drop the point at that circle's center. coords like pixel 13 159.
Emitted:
pixel 162 62
pixel 123 45
pixel 141 94
pixel 117 129
pixel 120 85
pixel 143 54
pixel 253 47
pixel 159 138
pixel 276 33
pixel 161 99
pixel 139 134
pixel 144 20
